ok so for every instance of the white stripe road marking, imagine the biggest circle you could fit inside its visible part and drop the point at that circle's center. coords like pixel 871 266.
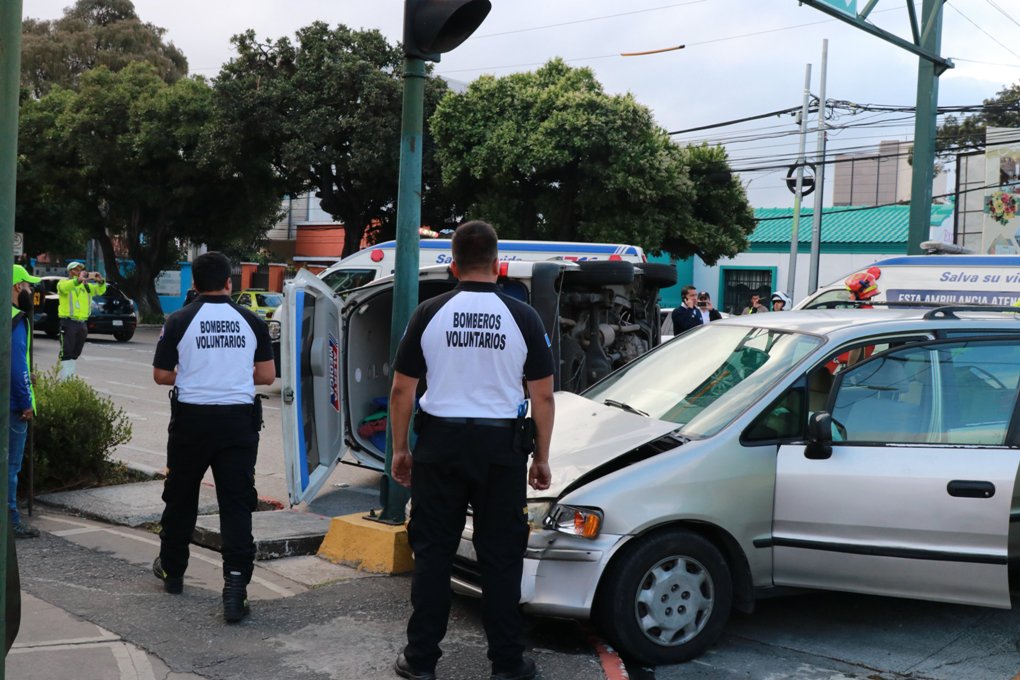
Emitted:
pixel 131 447
pixel 132 397
pixel 279 590
pixel 118 360
pixel 131 385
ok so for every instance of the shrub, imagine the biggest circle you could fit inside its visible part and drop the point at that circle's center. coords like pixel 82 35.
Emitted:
pixel 75 431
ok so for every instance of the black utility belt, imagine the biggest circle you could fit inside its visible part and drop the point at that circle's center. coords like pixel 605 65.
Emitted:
pixel 215 408
pixel 484 422
pixel 67 318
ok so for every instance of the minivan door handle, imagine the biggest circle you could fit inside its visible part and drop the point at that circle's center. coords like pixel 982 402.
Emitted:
pixel 965 488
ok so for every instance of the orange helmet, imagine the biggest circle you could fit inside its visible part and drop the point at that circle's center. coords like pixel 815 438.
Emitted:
pixel 863 285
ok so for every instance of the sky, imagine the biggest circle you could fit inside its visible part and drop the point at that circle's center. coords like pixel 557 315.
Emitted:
pixel 741 58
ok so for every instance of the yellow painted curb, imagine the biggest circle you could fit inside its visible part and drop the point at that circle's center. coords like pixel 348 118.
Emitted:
pixel 369 546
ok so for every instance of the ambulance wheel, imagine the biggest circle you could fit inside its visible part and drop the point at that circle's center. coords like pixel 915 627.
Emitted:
pixel 659 275
pixel 602 273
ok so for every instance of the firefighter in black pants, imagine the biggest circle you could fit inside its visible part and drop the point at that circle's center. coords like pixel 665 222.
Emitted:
pixel 213 353
pixel 474 347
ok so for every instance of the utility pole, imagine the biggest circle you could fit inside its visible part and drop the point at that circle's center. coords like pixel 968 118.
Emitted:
pixel 10 77
pixel 791 278
pixel 816 217
pixel 925 127
pixel 431 28
pixel 925 43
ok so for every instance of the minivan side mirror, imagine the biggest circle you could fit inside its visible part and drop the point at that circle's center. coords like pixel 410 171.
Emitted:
pixel 819 439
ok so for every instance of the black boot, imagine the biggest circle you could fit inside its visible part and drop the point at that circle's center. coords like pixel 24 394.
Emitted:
pixel 235 597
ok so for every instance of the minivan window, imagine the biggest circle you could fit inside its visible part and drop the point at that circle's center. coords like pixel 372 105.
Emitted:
pixel 959 393
pixel 707 377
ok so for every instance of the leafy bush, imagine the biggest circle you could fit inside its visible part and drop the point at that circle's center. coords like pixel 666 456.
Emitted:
pixel 75 430
pixel 152 319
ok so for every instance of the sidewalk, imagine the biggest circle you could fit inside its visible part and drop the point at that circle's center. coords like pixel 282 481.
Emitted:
pixel 56 644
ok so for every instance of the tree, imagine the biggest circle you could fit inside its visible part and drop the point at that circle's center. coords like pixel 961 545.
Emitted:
pixel 968 133
pixel 133 162
pixel 93 33
pixel 325 111
pixel 549 155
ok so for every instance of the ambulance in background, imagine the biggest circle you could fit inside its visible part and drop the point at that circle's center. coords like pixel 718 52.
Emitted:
pixel 380 260
pixel 930 279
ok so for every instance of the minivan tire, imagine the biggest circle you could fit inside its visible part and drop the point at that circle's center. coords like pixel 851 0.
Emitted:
pixel 123 336
pixel 602 273
pixel 642 589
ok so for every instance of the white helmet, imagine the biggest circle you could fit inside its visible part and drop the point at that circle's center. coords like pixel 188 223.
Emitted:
pixel 780 295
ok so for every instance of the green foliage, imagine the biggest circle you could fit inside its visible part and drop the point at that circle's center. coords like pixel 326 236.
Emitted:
pixel 325 111
pixel 93 33
pixel 968 133
pixel 75 430
pixel 129 157
pixel 549 155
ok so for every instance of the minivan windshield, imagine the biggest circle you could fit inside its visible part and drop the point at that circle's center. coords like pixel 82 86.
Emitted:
pixel 706 377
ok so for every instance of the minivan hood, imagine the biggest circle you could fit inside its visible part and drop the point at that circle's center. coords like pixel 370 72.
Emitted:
pixel 588 434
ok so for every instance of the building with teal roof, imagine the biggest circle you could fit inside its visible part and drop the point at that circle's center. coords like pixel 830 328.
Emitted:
pixel 852 238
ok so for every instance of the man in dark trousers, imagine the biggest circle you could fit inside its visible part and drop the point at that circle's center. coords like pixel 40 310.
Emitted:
pixel 213 353
pixel 686 316
pixel 474 346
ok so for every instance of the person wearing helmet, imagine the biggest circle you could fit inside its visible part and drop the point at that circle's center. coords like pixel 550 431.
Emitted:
pixel 75 304
pixel 780 301
pixel 863 285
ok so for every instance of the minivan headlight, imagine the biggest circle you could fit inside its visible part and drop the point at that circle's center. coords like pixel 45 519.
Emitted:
pixel 537 512
pixel 575 520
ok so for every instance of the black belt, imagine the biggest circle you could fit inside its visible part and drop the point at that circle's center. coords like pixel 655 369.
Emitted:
pixel 216 408
pixel 485 422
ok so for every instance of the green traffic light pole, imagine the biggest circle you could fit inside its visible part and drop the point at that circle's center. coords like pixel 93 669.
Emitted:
pixel 393 496
pixel 10 73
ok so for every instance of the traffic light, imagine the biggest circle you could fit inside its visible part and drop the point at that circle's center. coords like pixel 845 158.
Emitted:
pixel 432 27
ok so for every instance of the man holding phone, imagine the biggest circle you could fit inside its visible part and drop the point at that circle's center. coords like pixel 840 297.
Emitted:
pixel 75 295
pixel 708 312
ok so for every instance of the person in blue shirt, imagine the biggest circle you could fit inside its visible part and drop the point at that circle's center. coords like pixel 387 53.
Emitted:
pixel 22 398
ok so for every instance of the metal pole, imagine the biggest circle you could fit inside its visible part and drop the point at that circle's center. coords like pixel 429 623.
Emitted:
pixel 925 128
pixel 10 76
pixel 791 278
pixel 816 217
pixel 405 289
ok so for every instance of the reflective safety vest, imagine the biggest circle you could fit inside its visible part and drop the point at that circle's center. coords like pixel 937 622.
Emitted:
pixel 76 298
pixel 17 316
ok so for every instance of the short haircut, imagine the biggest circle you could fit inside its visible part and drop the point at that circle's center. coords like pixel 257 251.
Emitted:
pixel 475 246
pixel 686 290
pixel 210 271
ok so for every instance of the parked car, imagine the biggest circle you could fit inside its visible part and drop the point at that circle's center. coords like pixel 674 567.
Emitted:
pixel 599 316
pixel 262 302
pixel 867 451
pixel 112 313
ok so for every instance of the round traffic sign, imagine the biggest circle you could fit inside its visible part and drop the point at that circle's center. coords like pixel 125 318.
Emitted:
pixel 807 184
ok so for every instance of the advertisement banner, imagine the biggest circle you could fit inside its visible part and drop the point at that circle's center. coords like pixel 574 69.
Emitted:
pixel 1000 233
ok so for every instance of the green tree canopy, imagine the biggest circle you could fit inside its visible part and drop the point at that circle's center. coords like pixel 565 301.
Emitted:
pixel 93 33
pixel 325 111
pixel 967 133
pixel 549 155
pixel 130 158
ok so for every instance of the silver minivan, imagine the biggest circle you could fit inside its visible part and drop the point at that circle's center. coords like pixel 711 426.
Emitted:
pixel 868 451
